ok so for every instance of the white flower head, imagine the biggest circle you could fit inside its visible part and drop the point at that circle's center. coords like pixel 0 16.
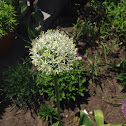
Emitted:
pixel 53 51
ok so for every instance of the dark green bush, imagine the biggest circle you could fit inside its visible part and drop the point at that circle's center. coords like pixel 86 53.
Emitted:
pixel 19 85
pixel 71 83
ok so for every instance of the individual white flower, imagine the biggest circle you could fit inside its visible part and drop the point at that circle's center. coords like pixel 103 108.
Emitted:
pixel 53 51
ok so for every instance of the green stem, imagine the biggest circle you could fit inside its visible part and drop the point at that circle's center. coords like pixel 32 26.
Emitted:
pixel 105 55
pixel 57 99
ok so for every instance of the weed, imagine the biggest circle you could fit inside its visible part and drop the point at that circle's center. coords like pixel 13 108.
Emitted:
pixel 48 113
pixel 85 31
pixel 94 65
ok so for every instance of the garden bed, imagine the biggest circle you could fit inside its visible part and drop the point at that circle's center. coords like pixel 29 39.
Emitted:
pixel 104 91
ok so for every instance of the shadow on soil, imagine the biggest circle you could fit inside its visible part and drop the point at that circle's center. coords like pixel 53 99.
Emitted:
pixel 3 104
pixel 73 104
pixel 79 100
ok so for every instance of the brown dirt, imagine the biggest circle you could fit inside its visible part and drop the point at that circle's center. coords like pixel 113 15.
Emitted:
pixel 104 93
pixel 17 117
pixel 108 99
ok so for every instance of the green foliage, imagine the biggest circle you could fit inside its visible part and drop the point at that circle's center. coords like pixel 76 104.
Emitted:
pixel 56 124
pixel 122 66
pixel 94 65
pixel 8 19
pixel 96 4
pixel 113 17
pixel 116 13
pixel 122 76
pixel 19 5
pixel 85 30
pixel 9 1
pixel 121 69
pixel 19 85
pixel 71 84
pixel 48 113
pixel 110 28
pixel 85 120
pixel 99 117
pixel 110 19
pixel 34 31
pixel 26 17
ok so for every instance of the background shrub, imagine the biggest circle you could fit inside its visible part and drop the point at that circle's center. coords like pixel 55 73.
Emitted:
pixel 116 13
pixel 19 85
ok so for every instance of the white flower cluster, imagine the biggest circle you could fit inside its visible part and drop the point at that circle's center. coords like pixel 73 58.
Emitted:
pixel 53 51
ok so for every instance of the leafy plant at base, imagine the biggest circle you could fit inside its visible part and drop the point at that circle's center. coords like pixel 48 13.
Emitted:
pixel 71 83
pixel 48 113
pixel 19 85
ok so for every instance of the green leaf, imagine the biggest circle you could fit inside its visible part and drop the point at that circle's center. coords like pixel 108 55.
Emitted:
pixel 73 98
pixel 23 8
pixel 85 120
pixel 82 94
pixel 56 124
pixel 99 117
pixel 72 77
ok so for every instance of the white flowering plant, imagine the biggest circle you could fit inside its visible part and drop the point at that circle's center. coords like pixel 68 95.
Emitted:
pixel 53 51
